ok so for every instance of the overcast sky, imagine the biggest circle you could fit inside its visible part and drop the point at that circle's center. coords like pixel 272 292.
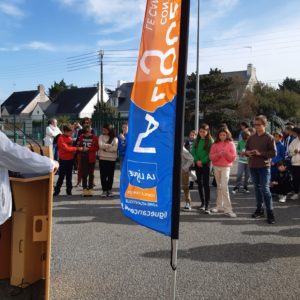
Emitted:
pixel 49 40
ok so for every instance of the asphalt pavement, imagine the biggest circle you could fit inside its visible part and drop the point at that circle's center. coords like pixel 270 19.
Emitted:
pixel 97 253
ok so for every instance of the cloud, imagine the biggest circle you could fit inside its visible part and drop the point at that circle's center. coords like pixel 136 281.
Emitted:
pixel 120 15
pixel 11 10
pixel 111 42
pixel 36 45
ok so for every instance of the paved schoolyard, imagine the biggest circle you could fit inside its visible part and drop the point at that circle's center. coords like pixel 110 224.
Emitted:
pixel 97 253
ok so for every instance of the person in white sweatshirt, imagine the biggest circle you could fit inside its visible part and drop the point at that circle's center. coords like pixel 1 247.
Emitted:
pixel 108 153
pixel 16 158
pixel 294 153
pixel 187 162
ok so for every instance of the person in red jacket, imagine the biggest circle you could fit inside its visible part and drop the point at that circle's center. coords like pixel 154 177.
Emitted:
pixel 66 159
pixel 90 145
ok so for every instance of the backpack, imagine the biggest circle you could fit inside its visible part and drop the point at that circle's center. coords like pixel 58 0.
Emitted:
pixel 55 140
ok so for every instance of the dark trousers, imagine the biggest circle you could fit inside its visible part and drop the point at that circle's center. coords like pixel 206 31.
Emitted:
pixel 203 183
pixel 107 170
pixel 87 172
pixel 65 170
pixel 281 189
pixel 296 178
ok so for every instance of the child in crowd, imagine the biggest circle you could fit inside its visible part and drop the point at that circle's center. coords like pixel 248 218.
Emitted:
pixel 243 168
pixel 108 152
pixel 281 184
pixel 222 155
pixel 294 152
pixel 90 145
pixel 122 143
pixel 66 159
pixel 187 162
pixel 200 152
pixel 280 153
pixel 188 145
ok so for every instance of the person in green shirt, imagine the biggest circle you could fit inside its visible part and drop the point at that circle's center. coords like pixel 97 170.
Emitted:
pixel 200 151
pixel 243 168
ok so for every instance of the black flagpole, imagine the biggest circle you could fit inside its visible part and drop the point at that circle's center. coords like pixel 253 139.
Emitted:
pixel 176 189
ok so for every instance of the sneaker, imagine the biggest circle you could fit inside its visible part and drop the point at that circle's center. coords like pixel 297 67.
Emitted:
pixel 91 193
pixel 214 210
pixel 282 198
pixel 235 189
pixel 258 214
pixel 110 194
pixel 85 193
pixel 207 211
pixel 104 194
pixel 187 206
pixel 245 190
pixel 202 207
pixel 295 197
pixel 230 214
pixel 271 218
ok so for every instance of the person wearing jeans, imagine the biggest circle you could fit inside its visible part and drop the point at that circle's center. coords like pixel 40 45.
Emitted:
pixel 260 149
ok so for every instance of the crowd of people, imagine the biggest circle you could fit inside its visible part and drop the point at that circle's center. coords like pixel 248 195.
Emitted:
pixel 271 162
pixel 78 147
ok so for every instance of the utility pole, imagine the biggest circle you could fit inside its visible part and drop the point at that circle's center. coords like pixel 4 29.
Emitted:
pixel 197 73
pixel 101 54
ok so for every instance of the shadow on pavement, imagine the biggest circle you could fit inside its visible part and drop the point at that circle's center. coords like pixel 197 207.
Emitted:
pixel 102 213
pixel 292 232
pixel 234 253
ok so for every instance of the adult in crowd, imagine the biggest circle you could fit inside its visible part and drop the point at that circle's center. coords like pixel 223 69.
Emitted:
pixel 16 158
pixel 52 130
pixel 222 155
pixel 260 148
pixel 294 152
pixel 200 152
pixel 108 152
pixel 122 143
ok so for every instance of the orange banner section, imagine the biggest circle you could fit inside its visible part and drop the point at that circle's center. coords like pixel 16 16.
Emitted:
pixel 156 76
pixel 135 192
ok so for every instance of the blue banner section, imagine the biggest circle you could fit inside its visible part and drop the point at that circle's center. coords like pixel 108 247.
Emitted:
pixel 146 175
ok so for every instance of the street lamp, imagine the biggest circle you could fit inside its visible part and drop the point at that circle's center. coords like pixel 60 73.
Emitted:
pixel 197 72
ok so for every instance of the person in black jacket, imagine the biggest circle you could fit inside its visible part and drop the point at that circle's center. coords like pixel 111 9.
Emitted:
pixel 282 182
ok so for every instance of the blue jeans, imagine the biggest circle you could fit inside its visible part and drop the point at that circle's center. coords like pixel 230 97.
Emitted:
pixel 261 180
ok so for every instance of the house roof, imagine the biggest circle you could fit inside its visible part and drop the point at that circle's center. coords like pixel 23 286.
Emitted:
pixel 235 74
pixel 124 94
pixel 71 101
pixel 17 101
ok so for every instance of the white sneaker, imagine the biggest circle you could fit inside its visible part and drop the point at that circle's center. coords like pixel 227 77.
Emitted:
pixel 214 210
pixel 230 214
pixel 187 206
pixel 282 198
pixel 295 197
pixel 110 194
pixel 104 194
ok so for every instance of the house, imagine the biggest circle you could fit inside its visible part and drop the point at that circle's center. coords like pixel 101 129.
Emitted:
pixel 21 104
pixel 120 98
pixel 75 102
pixel 242 81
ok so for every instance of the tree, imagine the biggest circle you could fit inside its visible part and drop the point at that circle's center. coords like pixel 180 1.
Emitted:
pixel 57 88
pixel 290 84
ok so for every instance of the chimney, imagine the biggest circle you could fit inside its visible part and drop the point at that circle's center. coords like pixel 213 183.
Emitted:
pixel 251 71
pixel 41 90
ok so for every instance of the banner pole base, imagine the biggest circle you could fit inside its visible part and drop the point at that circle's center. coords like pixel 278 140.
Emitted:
pixel 174 267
